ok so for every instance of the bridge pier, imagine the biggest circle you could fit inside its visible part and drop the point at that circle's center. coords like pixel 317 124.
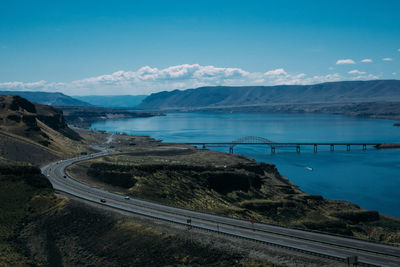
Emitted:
pixel 364 147
pixel 272 149
pixel 298 149
pixel 315 147
pixel 332 147
pixel 204 146
pixel 348 147
pixel 231 149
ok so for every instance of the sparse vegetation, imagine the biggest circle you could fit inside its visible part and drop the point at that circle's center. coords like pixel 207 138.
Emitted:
pixel 113 176
pixel 233 186
pixel 23 190
pixel 37 228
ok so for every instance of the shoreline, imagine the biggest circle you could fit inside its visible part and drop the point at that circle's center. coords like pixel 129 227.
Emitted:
pixel 290 171
pixel 387 146
pixel 148 153
pixel 160 113
pixel 374 110
pixel 159 142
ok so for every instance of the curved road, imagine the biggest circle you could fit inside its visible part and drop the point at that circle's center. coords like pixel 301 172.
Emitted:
pixel 324 245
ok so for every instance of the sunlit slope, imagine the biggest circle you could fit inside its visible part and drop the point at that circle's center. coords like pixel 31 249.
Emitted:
pixel 35 133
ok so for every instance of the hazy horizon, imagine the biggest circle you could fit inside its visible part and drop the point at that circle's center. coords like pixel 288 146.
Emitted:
pixel 183 89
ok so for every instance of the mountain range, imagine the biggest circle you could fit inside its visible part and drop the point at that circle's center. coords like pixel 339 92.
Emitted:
pixel 60 99
pixel 112 101
pixel 218 97
pixel 46 98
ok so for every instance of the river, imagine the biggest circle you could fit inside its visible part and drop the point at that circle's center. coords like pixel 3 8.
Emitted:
pixel 370 179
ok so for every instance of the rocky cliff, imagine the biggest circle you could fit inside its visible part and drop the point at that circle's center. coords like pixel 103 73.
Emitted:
pixel 24 118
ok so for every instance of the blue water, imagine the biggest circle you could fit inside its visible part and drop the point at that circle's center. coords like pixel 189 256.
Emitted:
pixel 369 178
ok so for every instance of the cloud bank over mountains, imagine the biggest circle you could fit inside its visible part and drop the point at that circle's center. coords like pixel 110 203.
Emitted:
pixel 148 80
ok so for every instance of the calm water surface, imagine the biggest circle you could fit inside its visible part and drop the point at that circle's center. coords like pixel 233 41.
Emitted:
pixel 369 178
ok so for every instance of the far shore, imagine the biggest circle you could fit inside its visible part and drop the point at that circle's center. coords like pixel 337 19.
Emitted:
pixel 385 146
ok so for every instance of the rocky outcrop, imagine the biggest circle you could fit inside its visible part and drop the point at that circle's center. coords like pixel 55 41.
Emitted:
pixel 21 117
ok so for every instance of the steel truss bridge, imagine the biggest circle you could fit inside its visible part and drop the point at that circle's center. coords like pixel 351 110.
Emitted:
pixel 255 140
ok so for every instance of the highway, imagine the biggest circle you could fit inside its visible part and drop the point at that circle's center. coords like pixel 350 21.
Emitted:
pixel 323 245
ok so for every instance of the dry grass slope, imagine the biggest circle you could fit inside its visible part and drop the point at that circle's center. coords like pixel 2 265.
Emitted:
pixel 35 133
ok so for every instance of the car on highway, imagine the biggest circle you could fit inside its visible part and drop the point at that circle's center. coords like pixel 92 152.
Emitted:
pixel 127 198
pixel 65 176
pixel 102 200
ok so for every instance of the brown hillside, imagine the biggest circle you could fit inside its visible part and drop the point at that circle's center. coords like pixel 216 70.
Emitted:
pixel 35 133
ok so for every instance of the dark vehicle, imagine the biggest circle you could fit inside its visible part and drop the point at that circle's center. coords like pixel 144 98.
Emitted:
pixel 65 176
pixel 103 200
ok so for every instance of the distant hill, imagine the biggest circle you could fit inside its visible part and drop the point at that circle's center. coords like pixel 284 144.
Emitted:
pixel 112 101
pixel 84 116
pixel 53 99
pixel 248 96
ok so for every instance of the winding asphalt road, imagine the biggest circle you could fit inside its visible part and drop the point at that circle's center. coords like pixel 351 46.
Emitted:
pixel 323 245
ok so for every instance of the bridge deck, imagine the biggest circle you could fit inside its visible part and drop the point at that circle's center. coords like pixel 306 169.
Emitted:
pixel 286 143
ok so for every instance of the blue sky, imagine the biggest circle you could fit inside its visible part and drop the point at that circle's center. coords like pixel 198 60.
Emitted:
pixel 140 47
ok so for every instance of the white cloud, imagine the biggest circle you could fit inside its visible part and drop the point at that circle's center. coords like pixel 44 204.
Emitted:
pixel 333 77
pixel 387 59
pixel 365 77
pixel 398 49
pixel 29 86
pixel 394 73
pixel 367 60
pixel 345 61
pixel 148 80
pixel 275 72
pixel 356 72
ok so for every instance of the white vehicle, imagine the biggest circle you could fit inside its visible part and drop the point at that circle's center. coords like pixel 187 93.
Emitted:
pixel 127 198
